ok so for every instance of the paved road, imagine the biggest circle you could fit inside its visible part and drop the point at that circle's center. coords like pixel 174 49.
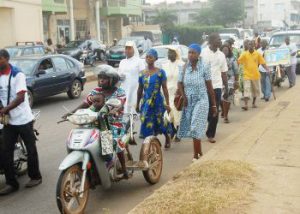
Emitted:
pixel 124 195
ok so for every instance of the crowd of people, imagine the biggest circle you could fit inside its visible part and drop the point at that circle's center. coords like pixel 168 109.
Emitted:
pixel 206 85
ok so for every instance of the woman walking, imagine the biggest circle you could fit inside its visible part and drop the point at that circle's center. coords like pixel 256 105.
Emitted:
pixel 153 107
pixel 233 81
pixel 171 67
pixel 195 85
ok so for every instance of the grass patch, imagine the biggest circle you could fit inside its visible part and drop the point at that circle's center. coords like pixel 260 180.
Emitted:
pixel 206 187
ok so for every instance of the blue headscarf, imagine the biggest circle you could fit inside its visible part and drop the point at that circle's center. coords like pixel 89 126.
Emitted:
pixel 152 52
pixel 196 47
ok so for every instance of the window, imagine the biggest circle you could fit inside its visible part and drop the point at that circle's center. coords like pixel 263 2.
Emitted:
pixel 38 50
pixel 60 64
pixel 59 1
pixel 70 64
pixel 47 66
pixel 81 29
pixel 28 51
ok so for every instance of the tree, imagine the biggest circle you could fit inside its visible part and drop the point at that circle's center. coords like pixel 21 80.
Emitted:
pixel 222 12
pixel 164 18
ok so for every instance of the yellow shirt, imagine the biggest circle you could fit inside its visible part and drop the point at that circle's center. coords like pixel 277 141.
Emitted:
pixel 250 62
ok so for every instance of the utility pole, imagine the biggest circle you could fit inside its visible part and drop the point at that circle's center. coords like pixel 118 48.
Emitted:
pixel 72 20
pixel 98 20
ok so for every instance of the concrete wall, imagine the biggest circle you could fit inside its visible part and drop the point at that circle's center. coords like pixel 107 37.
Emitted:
pixel 23 21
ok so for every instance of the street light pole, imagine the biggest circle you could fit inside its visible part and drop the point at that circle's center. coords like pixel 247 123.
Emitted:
pixel 72 20
pixel 98 19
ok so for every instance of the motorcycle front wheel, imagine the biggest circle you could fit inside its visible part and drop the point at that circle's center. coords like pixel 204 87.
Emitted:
pixel 154 158
pixel 69 199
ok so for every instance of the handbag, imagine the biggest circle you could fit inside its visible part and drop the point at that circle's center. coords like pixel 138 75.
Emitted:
pixel 178 100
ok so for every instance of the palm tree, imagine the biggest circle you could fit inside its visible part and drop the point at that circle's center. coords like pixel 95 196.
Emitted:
pixel 164 18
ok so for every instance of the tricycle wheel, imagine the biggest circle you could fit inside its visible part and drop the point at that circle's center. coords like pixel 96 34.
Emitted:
pixel 153 155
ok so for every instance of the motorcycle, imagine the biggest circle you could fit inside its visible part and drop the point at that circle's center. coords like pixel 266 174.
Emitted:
pixel 92 161
pixel 279 75
pixel 20 152
pixel 88 57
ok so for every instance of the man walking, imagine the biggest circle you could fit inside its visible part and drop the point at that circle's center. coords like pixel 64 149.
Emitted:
pixel 250 60
pixel 265 80
pixel 218 64
pixel 14 98
pixel 291 70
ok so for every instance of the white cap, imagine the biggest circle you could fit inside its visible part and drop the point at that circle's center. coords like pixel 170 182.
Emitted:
pixel 129 44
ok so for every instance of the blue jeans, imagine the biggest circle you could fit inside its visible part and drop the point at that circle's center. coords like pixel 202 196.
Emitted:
pixel 265 85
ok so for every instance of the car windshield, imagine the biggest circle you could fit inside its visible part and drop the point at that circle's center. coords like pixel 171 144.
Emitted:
pixel 74 44
pixel 26 65
pixel 13 52
pixel 278 40
pixel 225 37
pixel 161 53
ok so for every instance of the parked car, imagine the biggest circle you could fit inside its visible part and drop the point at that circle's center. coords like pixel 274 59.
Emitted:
pixel 162 52
pixel 25 49
pixel 50 75
pixel 116 53
pixel 278 38
pixel 75 48
pixel 226 36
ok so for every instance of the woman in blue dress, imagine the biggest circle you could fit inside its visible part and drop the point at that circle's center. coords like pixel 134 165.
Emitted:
pixel 150 102
pixel 195 86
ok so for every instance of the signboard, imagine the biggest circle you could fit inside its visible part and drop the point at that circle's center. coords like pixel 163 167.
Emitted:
pixel 278 56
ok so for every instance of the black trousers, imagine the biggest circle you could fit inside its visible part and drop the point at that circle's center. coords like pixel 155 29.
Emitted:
pixel 10 137
pixel 213 121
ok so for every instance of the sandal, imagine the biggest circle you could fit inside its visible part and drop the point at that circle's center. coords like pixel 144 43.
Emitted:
pixel 167 145
pixel 254 106
pixel 226 120
pixel 212 140
pixel 245 108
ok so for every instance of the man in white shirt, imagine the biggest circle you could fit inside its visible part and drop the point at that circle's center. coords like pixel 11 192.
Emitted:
pixel 218 64
pixel 130 69
pixel 147 44
pixel 14 100
pixel 291 70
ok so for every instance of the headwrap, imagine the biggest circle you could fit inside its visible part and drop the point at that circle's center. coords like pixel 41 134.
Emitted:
pixel 133 45
pixel 196 47
pixel 152 52
pixel 173 48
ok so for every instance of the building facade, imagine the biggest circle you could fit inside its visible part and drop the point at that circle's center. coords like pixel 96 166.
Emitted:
pixel 23 21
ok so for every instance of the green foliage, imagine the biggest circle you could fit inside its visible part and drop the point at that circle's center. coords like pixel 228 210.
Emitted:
pixel 164 18
pixel 222 12
pixel 189 34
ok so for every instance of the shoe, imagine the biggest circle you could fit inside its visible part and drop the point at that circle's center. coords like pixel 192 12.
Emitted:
pixel 33 183
pixel 8 189
pixel 211 140
pixel 267 99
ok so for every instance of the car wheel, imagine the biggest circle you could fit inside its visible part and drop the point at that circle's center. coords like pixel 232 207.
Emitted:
pixel 75 90
pixel 30 98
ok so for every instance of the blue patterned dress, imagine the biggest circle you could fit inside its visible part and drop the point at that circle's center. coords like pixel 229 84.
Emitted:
pixel 152 104
pixel 194 116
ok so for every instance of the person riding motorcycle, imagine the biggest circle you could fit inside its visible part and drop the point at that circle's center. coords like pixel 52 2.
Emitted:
pixel 91 53
pixel 108 89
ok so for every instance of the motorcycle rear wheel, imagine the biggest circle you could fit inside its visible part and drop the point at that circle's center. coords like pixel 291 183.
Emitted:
pixel 67 191
pixel 154 158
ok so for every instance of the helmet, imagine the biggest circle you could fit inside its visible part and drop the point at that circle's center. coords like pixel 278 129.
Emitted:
pixel 108 71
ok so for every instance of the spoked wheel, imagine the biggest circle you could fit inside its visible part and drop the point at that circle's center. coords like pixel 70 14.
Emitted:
pixel 69 199
pixel 153 155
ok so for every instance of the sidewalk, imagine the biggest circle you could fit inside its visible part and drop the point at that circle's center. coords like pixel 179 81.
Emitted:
pixel 270 141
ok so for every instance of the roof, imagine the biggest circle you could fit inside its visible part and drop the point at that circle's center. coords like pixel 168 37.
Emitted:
pixel 25 46
pixel 287 32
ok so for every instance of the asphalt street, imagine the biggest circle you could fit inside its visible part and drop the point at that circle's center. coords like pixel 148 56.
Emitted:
pixel 123 196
